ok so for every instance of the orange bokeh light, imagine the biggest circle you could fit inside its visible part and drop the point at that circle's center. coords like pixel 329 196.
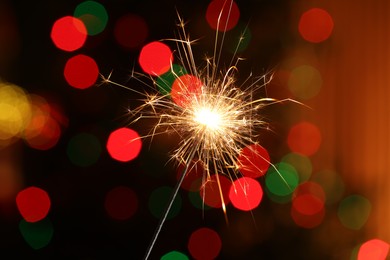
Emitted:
pixel 315 25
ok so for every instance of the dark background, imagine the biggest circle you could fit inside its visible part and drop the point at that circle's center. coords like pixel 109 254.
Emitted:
pixel 82 229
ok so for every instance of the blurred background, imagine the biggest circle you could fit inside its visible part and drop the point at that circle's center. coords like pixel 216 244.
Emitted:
pixel 68 190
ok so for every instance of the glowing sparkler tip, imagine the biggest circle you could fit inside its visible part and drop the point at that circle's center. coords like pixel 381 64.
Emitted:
pixel 208 117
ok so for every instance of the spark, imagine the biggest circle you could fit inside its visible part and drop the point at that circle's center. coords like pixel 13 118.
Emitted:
pixel 214 115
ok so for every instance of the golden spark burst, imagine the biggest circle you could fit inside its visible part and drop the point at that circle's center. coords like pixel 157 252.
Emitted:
pixel 214 116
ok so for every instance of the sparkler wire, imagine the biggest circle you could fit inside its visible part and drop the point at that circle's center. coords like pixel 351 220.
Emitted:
pixel 168 207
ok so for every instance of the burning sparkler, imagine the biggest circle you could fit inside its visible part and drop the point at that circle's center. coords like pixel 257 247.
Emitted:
pixel 214 115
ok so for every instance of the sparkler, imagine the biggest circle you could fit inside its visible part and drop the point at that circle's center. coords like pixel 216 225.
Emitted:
pixel 214 116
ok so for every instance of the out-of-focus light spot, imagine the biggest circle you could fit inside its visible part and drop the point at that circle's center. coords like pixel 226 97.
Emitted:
pixel 283 180
pixel 15 112
pixel 307 204
pixel 304 138
pixel 124 144
pixel 81 71
pixel 204 244
pixel 131 31
pixel 301 163
pixel 84 149
pixel 185 89
pixel 56 112
pixel 155 58
pixel 253 161
pixel 311 188
pixel 307 221
pixel 222 15
pixel 197 201
pixel 193 179
pixel 354 211
pixel 93 15
pixel 165 81
pixel 174 255
pixel 216 186
pixel 305 82
pixel 374 249
pixel 33 204
pixel 245 193
pixel 121 203
pixel 315 25
pixel 277 198
pixel 47 137
pixel 68 33
pixel 158 201
pixel 38 234
pixel 308 209
pixel 44 129
pixel 332 185
pixel 239 38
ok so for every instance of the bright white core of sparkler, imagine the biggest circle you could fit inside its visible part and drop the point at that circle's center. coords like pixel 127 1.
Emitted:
pixel 208 118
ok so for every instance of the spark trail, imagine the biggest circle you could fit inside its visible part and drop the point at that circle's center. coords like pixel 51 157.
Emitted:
pixel 214 116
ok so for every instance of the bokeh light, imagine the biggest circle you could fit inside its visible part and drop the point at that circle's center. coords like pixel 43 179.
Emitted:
pixel 124 144
pixel 84 149
pixel 305 82
pixel 301 163
pixel 307 220
pixel 311 188
pixel 307 204
pixel 185 88
pixel 193 179
pixel 315 25
pixel 283 180
pixel 121 203
pixel 68 33
pixel 253 161
pixel 204 244
pixel 214 188
pixel 174 255
pixel 158 202
pixel 165 81
pixel 374 249
pixel 15 112
pixel 48 136
pixel 81 71
pixel 332 184
pixel 44 129
pixel 222 15
pixel 38 234
pixel 304 138
pixel 155 58
pixel 239 38
pixel 197 200
pixel 33 204
pixel 131 31
pixel 353 211
pixel 245 193
pixel 93 15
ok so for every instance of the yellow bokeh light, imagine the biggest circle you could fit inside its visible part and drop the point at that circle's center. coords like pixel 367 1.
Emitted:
pixel 15 111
